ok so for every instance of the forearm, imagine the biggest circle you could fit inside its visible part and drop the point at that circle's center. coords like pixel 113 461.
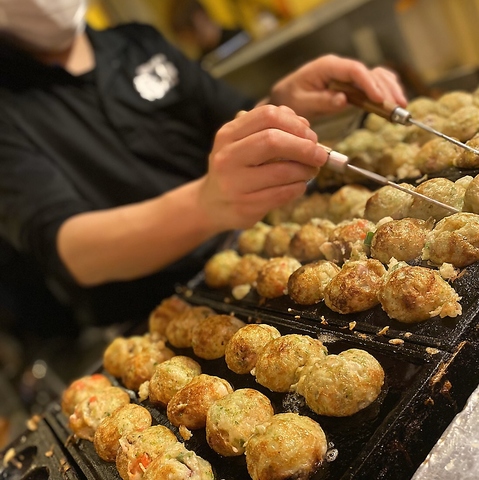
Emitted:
pixel 129 242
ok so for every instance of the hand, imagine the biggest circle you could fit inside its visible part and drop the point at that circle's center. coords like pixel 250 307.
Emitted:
pixel 259 161
pixel 306 90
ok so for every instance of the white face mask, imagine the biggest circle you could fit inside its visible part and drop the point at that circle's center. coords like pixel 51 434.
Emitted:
pixel 43 25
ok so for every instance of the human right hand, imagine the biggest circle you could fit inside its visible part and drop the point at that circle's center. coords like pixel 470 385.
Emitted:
pixel 260 160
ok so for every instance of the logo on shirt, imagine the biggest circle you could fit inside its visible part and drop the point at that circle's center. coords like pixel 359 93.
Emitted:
pixel 155 78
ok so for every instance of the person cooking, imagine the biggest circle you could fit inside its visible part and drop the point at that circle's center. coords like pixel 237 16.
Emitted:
pixel 123 164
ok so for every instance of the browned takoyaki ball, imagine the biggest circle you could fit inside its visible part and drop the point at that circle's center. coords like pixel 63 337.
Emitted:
pixel 273 277
pixel 242 350
pixel 138 449
pixel 306 285
pixel 252 239
pixel 279 363
pixel 436 155
pixel 374 122
pixel 277 240
pixel 288 446
pixel 392 134
pixel 462 124
pixel 414 294
pixel 190 404
pixel 471 196
pixel 80 389
pixel 421 106
pixel 92 410
pixel 160 317
pixel 342 385
pixel 348 202
pixel 441 189
pixel 171 376
pixel 122 421
pixel 246 270
pixel 306 242
pixel 454 239
pixel 346 238
pixel 179 329
pixel 419 135
pixel 466 158
pixel 355 287
pixel 218 268
pixel 454 100
pixel 140 367
pixel 232 420
pixel 121 349
pixel 312 206
pixel 210 336
pixel 389 202
pixel 399 161
pixel 178 463
pixel 401 239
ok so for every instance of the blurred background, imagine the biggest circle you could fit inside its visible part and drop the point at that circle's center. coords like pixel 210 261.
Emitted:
pixel 432 44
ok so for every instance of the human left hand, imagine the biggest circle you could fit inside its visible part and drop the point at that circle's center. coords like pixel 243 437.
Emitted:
pixel 306 89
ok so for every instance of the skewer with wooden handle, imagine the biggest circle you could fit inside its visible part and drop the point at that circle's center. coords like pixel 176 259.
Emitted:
pixel 389 111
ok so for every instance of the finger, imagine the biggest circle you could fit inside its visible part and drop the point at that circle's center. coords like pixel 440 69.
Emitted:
pixel 266 117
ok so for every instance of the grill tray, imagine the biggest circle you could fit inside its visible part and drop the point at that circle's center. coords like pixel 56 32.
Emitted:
pixel 424 390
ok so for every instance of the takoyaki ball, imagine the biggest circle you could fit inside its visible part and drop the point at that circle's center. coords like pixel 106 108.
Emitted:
pixel 218 268
pixel 178 331
pixel 138 449
pixel 455 240
pixel 414 294
pixel 466 158
pixel 178 463
pixel 312 206
pixel 280 362
pixel 355 287
pixel 441 189
pixel 436 155
pixel 282 214
pixel 190 404
pixel 347 237
pixel 122 421
pixel 421 106
pixel 348 202
pixel 389 202
pixel 288 446
pixel 140 367
pixel 455 100
pixel 210 336
pixel 419 135
pixel 393 134
pixel 399 161
pixel 363 146
pixel 92 410
pixel 170 376
pixel 120 350
pixel 463 124
pixel 252 239
pixel 232 420
pixel 305 244
pixel 246 270
pixel 342 385
pixel 277 240
pixel 471 196
pixel 242 350
pixel 169 308
pixel 306 285
pixel 272 281
pixel 402 239
pixel 80 389
pixel 375 123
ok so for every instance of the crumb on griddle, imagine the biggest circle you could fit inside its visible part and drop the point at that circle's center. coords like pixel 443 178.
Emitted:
pixel 396 341
pixel 185 433
pixel 383 331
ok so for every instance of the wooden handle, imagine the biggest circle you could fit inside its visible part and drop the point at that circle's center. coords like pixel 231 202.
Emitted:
pixel 357 97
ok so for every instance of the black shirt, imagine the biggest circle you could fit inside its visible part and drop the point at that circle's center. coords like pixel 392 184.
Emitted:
pixel 140 124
